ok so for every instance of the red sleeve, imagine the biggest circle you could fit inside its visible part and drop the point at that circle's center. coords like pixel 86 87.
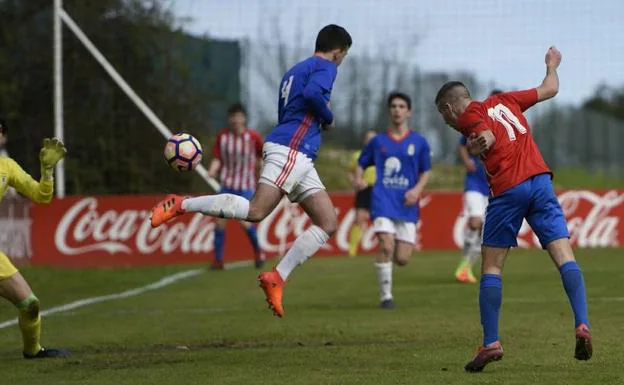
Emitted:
pixel 472 122
pixel 524 99
pixel 216 147
pixel 259 142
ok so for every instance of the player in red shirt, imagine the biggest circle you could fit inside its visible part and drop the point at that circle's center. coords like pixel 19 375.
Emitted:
pixel 237 155
pixel 521 187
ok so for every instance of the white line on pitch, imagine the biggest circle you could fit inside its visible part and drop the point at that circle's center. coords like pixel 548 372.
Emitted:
pixel 168 280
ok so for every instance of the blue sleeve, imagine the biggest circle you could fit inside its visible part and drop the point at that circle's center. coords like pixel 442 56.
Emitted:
pixel 462 140
pixel 320 83
pixel 424 158
pixel 367 156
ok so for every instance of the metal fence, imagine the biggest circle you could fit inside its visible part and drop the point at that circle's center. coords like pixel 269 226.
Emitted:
pixel 568 136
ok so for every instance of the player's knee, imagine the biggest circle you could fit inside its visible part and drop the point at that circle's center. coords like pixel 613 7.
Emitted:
pixel 33 308
pixel 560 251
pixel 491 263
pixel 401 261
pixel 330 226
pixel 388 248
pixel 475 223
pixel 328 222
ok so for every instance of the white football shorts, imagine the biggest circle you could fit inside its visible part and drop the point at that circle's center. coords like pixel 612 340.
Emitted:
pixel 475 204
pixel 403 231
pixel 289 170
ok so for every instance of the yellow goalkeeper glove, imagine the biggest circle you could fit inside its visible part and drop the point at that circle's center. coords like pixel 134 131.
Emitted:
pixel 52 151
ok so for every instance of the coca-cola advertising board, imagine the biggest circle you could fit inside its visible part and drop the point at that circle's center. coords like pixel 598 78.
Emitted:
pixel 104 231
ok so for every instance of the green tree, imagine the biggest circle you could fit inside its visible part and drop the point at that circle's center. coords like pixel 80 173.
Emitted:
pixel 607 100
pixel 112 147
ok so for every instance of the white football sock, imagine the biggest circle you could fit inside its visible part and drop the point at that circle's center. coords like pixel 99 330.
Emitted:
pixel 472 245
pixel 384 276
pixel 222 205
pixel 303 248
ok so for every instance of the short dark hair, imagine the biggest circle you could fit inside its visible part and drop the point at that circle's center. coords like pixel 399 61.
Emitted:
pixel 444 94
pixel 3 127
pixel 332 37
pixel 402 96
pixel 496 91
pixel 235 108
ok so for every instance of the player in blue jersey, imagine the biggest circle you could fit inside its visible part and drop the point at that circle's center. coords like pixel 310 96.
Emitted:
pixel 288 153
pixel 402 159
pixel 476 192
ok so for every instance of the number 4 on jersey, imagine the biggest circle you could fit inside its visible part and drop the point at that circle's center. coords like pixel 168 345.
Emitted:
pixel 507 118
pixel 286 89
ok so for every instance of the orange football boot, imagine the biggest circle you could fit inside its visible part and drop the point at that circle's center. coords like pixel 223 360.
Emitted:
pixel 485 355
pixel 465 276
pixel 273 285
pixel 167 209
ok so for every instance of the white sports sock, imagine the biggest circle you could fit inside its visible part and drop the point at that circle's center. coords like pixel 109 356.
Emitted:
pixel 303 248
pixel 384 276
pixel 222 205
pixel 472 245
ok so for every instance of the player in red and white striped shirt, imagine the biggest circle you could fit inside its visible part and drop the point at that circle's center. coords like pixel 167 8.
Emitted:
pixel 237 155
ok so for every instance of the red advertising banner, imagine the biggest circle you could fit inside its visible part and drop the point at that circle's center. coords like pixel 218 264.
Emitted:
pixel 115 230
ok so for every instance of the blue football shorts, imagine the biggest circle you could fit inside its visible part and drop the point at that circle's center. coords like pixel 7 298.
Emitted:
pixel 533 199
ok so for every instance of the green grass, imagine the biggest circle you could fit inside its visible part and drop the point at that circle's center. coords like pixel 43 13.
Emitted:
pixel 215 328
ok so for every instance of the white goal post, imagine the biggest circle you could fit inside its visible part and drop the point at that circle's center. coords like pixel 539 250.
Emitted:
pixel 60 17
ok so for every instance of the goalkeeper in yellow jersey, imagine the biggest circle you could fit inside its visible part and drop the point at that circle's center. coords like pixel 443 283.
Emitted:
pixel 13 287
pixel 362 198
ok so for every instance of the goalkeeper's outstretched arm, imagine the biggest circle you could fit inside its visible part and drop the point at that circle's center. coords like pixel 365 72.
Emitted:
pixel 51 153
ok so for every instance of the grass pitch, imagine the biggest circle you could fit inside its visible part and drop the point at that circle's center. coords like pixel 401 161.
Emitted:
pixel 215 328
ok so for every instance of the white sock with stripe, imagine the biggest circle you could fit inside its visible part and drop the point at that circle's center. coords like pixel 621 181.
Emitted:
pixel 222 205
pixel 472 245
pixel 384 276
pixel 303 248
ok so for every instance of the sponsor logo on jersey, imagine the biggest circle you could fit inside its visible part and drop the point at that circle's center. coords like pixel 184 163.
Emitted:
pixel 392 177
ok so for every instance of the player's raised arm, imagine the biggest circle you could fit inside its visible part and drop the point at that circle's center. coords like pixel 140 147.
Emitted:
pixel 550 85
pixel 52 152
pixel 24 184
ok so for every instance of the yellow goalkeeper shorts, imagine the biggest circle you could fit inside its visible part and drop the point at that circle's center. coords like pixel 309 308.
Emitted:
pixel 6 267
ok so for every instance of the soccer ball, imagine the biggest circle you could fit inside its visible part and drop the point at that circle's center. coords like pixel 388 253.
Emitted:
pixel 183 152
